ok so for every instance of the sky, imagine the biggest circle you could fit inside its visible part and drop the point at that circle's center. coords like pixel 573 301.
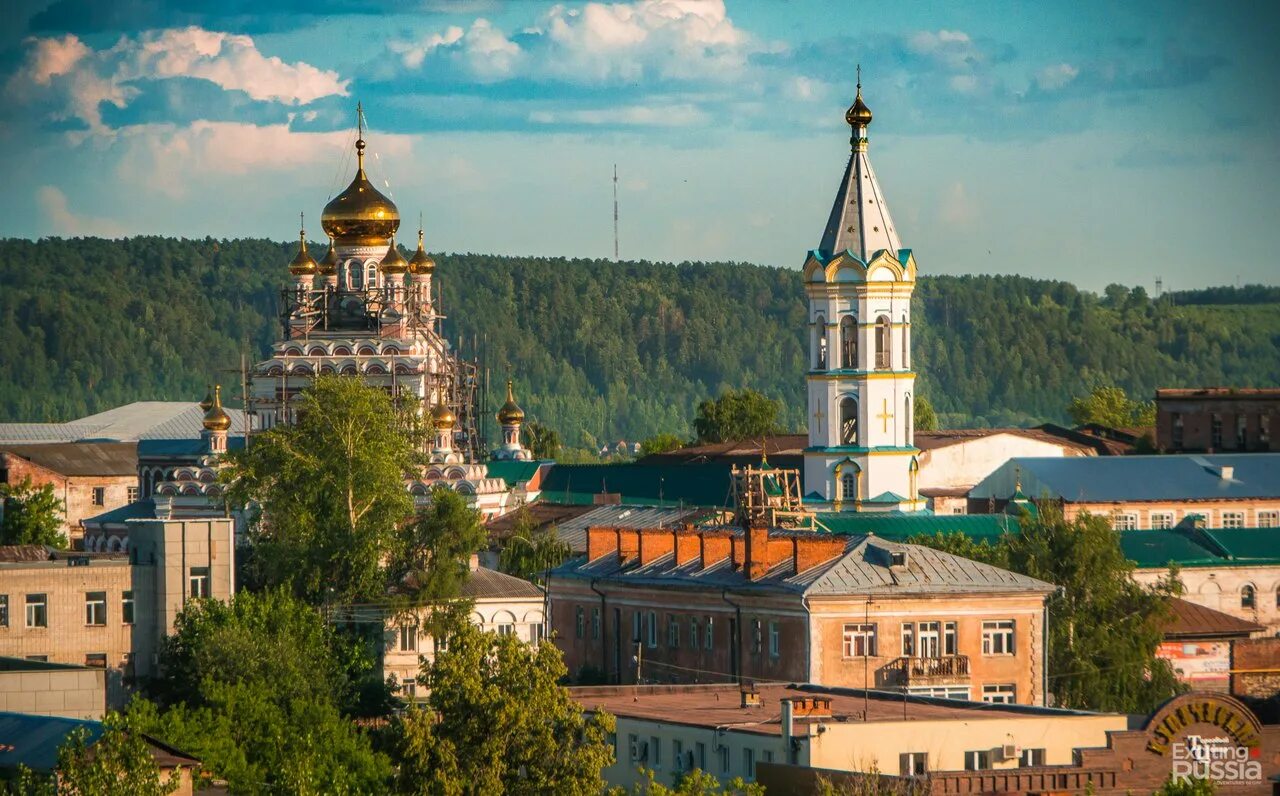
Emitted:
pixel 1094 142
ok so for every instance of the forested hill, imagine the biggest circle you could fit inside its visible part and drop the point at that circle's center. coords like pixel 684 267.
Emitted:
pixel 604 350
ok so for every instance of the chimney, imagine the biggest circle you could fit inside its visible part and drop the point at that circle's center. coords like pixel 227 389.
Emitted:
pixel 756 542
pixel 654 544
pixel 715 547
pixel 601 542
pixel 687 546
pixel 1227 472
pixel 628 544
pixel 788 725
pixel 750 697
pixel 812 549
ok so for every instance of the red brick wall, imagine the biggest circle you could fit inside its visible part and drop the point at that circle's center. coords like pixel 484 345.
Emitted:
pixel 1255 667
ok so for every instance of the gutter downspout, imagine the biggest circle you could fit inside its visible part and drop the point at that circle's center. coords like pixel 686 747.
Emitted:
pixel 808 640
pixel 735 639
pixel 1044 651
pixel 604 630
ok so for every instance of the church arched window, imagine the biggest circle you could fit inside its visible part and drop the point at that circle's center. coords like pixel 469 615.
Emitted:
pixel 848 421
pixel 355 276
pixel 820 342
pixel 371 274
pixel 906 344
pixel 1248 596
pixel 848 484
pixel 883 341
pixel 907 409
pixel 848 343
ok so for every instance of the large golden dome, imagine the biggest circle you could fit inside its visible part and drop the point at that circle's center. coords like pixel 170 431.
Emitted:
pixel 510 413
pixel 360 215
pixel 443 418
pixel 216 418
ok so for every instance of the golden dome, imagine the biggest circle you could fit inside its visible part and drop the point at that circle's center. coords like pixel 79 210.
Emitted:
pixel 329 265
pixel 208 399
pixel 393 262
pixel 216 418
pixel 360 215
pixel 303 263
pixel 510 413
pixel 443 418
pixel 421 262
pixel 858 115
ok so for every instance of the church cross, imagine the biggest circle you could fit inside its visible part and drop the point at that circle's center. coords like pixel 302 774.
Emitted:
pixel 885 415
pixel 818 415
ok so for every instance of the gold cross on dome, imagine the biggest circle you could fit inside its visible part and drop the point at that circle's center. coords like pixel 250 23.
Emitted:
pixel 885 415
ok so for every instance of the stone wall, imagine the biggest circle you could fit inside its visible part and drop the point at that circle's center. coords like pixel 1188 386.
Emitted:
pixel 1255 668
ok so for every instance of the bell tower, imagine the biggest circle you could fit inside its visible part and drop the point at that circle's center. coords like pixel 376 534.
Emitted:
pixel 861 454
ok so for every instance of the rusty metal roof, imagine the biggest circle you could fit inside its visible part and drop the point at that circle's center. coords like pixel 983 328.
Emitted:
pixel 1189 620
pixel 81 458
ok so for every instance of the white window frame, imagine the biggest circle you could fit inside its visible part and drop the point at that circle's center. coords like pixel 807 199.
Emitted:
pixel 859 636
pixel 651 629
pixel 1160 520
pixel 198 582
pixel 929 639
pixel 958 692
pixel 950 639
pixel 128 607
pixel 1232 519
pixel 131 494
pixel 775 640
pixel 1268 519
pixel 913 764
pixel 1000 694
pixel 1124 521
pixel 37 610
pixel 977 760
pixel 408 638
pixel 710 636
pixel 1026 758
pixel 999 637
pixel 95 609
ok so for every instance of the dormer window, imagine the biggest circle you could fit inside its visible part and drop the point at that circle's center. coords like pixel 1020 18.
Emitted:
pixel 897 558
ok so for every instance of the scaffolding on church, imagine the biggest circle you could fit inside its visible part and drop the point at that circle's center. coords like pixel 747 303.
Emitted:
pixel 766 495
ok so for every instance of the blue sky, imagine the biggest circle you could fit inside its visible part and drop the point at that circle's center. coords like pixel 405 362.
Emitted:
pixel 1089 141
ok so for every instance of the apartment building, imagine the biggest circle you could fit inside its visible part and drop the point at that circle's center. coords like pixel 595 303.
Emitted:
pixel 1213 419
pixel 109 611
pixel 722 605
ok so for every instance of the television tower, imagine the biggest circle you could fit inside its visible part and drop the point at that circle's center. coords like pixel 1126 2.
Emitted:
pixel 615 212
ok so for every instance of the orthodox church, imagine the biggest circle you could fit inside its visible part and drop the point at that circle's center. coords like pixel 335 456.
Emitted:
pixel 861 454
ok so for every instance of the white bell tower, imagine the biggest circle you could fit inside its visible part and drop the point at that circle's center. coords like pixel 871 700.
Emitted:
pixel 861 454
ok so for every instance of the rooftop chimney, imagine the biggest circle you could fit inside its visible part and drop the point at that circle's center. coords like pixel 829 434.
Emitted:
pixel 750 698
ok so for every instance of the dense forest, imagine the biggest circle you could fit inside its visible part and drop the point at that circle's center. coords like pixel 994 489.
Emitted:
pixel 604 350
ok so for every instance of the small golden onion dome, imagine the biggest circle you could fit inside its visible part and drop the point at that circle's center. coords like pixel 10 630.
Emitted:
pixel 858 115
pixel 207 403
pixel 443 418
pixel 510 413
pixel 303 263
pixel 394 262
pixel 329 265
pixel 421 262
pixel 216 418
pixel 360 215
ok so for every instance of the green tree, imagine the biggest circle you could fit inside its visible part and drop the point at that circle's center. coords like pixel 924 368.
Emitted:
pixel 924 417
pixel 1186 787
pixel 1110 406
pixel 330 490
pixel 496 720
pixel 432 560
pixel 661 443
pixel 32 515
pixel 254 689
pixel 696 783
pixel 530 551
pixel 737 415
pixel 119 761
pixel 543 442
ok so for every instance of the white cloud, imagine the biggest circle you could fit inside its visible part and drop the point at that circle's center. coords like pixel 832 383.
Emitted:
pixel 956 208
pixel 75 79
pixel 679 115
pixel 61 221
pixel 953 49
pixel 1054 77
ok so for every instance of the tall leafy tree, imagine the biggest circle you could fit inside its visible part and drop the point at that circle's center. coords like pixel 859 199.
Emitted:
pixel 661 443
pixel 530 551
pixel 496 720
pixel 1110 406
pixel 544 442
pixel 330 490
pixel 32 515
pixel 737 415
pixel 119 761
pixel 924 418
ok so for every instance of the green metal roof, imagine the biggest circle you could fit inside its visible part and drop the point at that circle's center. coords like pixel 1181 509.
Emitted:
pixel 640 484
pixel 1202 547
pixel 902 526
pixel 1248 545
pixel 511 471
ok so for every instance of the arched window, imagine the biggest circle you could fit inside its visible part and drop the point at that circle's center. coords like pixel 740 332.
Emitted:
pixel 848 343
pixel 909 428
pixel 848 485
pixel 1248 596
pixel 355 276
pixel 914 470
pixel 903 336
pixel 848 421
pixel 371 280
pixel 820 342
pixel 882 342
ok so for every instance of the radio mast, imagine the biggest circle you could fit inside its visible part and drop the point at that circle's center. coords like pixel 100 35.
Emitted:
pixel 615 212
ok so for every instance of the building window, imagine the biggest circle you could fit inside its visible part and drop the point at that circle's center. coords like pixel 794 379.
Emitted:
pixel 1215 431
pixel 408 638
pixel 1248 596
pixel 999 694
pixel 930 639
pixel 711 636
pixel 700 755
pixel 131 494
pixel 579 622
pixel 913 764
pixel 1124 522
pixel 848 421
pixel 694 639
pixel 748 763
pixel 507 629
pixel 4 610
pixel 960 692
pixel 820 342
pixel 848 485
pixel 908 640
pixel 633 747
pixel 37 658
pixel 860 641
pixel 1232 519
pixel 37 610
pixel 636 621
pixel 97 660
pixel 1268 519
pixel 673 631
pixel 883 350
pixel 775 640
pixel 1240 432
pixel 595 624
pixel 199 582
pixel 1161 520
pixel 651 622
pixel 977 761
pixel 95 608
pixel 99 496
pixel 655 751
pixel 1264 429
pixel 906 349
pixel 949 644
pixel 997 637
pixel 1177 430
pixel 757 642
pixel 409 688
pixel 1031 757
pixel 848 343
pixel 766 755
pixel 677 754
pixel 724 759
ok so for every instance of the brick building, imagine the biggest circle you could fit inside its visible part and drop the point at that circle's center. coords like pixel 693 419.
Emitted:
pixel 88 477
pixel 1217 419
pixel 718 605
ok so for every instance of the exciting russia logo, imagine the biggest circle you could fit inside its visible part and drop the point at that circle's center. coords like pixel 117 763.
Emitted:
pixel 1217 760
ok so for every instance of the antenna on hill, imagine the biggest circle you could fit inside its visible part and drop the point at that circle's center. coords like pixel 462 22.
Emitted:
pixel 615 212
pixel 1159 286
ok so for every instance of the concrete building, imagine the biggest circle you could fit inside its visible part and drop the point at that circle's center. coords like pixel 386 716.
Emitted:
pixel 88 477
pixel 41 688
pixel 1217 419
pixel 109 611
pixel 730 732
pixel 720 605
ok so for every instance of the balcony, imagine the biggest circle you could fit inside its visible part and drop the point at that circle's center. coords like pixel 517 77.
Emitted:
pixel 943 670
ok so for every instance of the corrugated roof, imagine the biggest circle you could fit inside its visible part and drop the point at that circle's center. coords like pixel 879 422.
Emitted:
pixel 1136 478
pixel 81 458
pixel 22 553
pixel 151 448
pixel 1248 544
pixel 33 741
pixel 687 484
pixel 135 421
pixel 489 584
pixel 573 530
pixel 1188 620
pixel 902 526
